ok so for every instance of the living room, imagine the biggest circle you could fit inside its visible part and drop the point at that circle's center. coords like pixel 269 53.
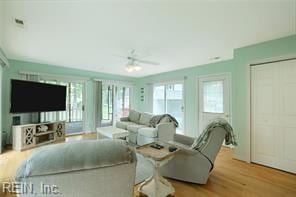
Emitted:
pixel 148 98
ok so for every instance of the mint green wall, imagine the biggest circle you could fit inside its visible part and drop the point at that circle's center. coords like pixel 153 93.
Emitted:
pixel 271 50
pixel 190 84
pixel 238 67
pixel 13 73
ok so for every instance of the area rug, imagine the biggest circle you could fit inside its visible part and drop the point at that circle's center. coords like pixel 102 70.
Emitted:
pixel 144 169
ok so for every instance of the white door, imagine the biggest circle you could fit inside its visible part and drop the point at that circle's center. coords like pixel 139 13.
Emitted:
pixel 214 99
pixel 273 115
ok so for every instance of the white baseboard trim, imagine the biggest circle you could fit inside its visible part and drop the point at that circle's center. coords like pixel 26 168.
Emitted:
pixel 240 157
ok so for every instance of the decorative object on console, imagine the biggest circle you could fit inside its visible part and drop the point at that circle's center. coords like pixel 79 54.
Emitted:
pixel 42 128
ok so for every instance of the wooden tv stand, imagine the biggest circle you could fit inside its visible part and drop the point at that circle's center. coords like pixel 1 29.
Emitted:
pixel 28 136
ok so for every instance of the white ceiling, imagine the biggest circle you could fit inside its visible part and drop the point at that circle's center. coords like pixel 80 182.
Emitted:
pixel 87 34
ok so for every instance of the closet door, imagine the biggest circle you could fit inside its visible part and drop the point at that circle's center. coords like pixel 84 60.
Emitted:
pixel 288 113
pixel 273 115
pixel 264 110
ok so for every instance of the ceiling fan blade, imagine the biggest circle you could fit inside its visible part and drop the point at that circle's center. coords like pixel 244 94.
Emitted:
pixel 119 56
pixel 147 62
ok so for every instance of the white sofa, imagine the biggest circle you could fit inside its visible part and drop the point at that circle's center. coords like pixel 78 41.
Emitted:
pixel 140 131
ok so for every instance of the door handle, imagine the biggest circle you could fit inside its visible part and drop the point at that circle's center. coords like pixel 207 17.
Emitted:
pixel 182 109
pixel 227 115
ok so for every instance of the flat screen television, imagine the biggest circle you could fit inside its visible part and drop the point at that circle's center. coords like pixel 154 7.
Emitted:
pixel 27 96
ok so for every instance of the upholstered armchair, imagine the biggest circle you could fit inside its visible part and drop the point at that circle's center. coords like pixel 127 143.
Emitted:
pixel 194 165
pixel 83 168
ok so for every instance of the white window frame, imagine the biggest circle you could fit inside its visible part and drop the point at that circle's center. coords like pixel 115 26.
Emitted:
pixel 165 83
pixel 59 78
pixel 118 84
pixel 213 77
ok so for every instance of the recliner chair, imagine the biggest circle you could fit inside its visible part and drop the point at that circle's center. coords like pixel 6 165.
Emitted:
pixel 192 165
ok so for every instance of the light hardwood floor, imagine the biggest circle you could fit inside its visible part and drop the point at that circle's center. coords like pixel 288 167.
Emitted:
pixel 230 177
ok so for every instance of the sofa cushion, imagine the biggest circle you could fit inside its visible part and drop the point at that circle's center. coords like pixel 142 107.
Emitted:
pixel 134 116
pixel 134 128
pixel 124 124
pixel 148 131
pixel 75 156
pixel 145 119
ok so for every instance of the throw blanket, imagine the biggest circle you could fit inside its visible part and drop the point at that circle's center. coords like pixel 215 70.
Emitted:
pixel 203 138
pixel 156 120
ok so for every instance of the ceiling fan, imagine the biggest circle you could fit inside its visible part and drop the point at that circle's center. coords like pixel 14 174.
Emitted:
pixel 134 63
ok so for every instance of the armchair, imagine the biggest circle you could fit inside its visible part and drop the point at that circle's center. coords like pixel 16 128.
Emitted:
pixel 194 165
pixel 83 168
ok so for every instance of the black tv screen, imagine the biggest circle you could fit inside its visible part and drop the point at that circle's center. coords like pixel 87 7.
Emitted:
pixel 27 96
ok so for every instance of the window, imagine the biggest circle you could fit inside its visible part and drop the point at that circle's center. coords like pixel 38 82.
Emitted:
pixel 115 103
pixel 122 102
pixel 107 102
pixel 213 97
pixel 168 99
pixel 159 100
pixel 74 107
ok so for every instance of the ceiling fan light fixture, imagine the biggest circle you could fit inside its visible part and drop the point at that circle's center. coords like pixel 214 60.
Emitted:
pixel 133 60
pixel 129 68
pixel 137 68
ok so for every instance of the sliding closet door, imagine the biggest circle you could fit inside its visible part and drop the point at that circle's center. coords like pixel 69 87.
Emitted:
pixel 288 91
pixel 265 112
pixel 273 115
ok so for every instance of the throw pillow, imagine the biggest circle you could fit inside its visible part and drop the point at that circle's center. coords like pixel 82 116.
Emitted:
pixel 145 119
